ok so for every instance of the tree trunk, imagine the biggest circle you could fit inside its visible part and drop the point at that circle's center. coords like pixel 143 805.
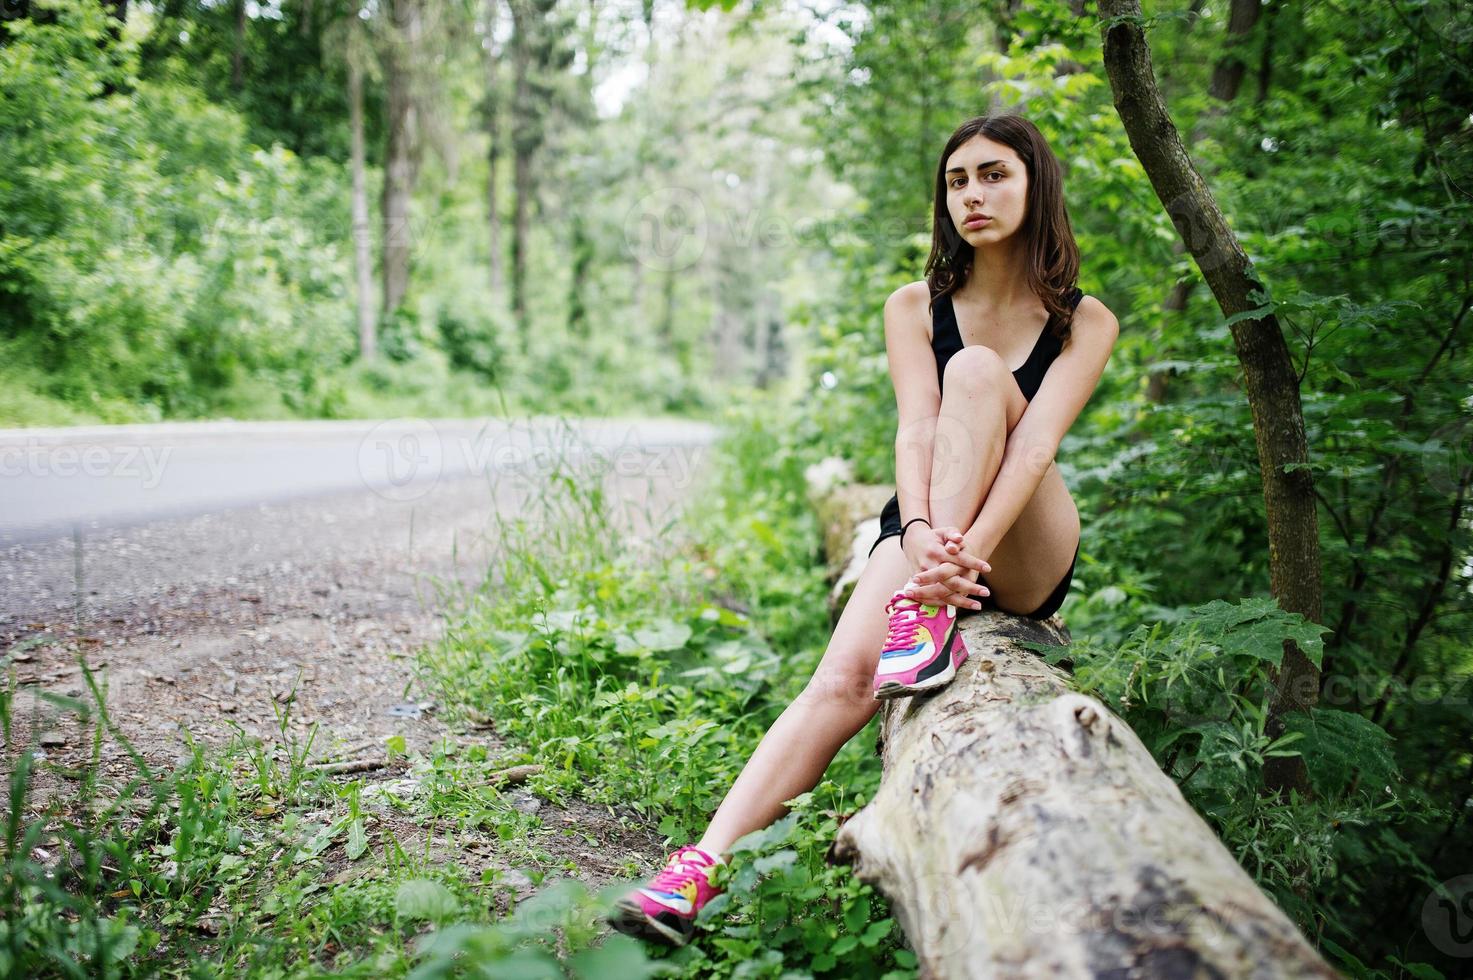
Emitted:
pixel 493 151
pixel 1227 74
pixel 524 144
pixel 582 249
pixel 1268 373
pixel 362 246
pixel 237 54
pixel 520 228
pixel 1023 830
pixel 1227 77
pixel 399 162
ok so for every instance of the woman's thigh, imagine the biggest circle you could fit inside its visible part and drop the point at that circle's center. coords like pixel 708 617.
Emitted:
pixel 847 670
pixel 1033 556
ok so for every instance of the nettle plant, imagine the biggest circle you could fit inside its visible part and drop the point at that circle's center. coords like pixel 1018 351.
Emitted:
pixel 787 908
pixel 1196 686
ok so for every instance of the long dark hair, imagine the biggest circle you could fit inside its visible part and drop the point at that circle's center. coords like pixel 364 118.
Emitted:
pixel 1053 256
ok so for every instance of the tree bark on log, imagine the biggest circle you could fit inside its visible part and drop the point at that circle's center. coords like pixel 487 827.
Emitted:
pixel 1023 830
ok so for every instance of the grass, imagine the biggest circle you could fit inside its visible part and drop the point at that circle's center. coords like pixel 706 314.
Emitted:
pixel 639 670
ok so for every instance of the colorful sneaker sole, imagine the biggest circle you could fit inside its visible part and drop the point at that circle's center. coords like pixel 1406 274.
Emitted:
pixel 631 919
pixel 938 673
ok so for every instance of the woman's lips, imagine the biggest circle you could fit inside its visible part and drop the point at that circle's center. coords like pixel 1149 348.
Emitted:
pixel 977 221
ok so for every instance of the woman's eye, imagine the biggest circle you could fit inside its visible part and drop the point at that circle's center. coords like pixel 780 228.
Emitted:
pixel 958 181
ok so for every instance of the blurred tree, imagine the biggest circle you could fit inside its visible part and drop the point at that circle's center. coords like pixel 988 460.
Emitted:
pixel 541 55
pixel 347 40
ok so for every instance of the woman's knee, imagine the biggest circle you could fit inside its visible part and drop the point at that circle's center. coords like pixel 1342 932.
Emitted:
pixel 848 684
pixel 975 368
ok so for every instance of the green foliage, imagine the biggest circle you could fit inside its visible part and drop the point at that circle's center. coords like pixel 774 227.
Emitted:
pixel 1196 689
pixel 181 246
pixel 524 944
pixel 640 687
pixel 1343 750
pixel 787 909
pixel 151 257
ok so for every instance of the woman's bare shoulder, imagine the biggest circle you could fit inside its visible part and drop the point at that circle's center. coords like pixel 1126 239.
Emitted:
pixel 1095 315
pixel 912 303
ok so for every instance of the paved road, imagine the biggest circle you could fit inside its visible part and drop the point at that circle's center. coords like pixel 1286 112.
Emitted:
pixel 110 516
pixel 55 480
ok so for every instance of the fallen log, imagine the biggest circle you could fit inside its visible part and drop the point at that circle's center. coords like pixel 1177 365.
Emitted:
pixel 849 517
pixel 1023 830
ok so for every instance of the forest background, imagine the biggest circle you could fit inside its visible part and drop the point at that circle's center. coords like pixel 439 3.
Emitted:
pixel 335 209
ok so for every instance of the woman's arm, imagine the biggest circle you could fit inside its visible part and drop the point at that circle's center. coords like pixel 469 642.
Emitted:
pixel 917 396
pixel 1034 441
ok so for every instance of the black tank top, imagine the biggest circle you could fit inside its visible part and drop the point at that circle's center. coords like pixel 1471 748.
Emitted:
pixel 946 340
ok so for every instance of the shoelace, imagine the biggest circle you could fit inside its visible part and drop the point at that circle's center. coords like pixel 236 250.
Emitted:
pixel 677 872
pixel 904 621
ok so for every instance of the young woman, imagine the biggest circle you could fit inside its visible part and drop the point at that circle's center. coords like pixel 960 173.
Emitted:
pixel 992 356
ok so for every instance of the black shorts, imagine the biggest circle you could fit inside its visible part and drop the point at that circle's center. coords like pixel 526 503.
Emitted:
pixel 890 527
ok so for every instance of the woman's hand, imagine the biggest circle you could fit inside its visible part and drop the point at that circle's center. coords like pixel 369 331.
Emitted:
pixel 942 570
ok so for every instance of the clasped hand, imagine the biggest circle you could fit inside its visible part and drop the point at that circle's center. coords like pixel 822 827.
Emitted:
pixel 942 570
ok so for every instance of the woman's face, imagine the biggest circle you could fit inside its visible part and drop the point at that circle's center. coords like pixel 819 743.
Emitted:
pixel 986 178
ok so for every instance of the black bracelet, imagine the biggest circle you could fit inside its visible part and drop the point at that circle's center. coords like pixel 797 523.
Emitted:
pixel 906 527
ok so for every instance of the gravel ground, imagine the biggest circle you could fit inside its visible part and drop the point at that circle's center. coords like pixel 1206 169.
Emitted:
pixel 200 623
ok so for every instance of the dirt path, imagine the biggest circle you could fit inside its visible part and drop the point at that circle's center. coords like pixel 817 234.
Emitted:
pixel 229 618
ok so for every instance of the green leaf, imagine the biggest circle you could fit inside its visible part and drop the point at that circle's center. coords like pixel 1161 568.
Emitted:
pixel 618 956
pixel 775 832
pixel 421 898
pixel 319 842
pixel 663 634
pixel 357 840
pixel 1257 627
pixel 1338 746
pixel 1418 971
pixel 774 862
pixel 877 930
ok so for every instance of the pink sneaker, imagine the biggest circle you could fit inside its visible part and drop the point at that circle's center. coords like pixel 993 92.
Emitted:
pixel 665 910
pixel 922 649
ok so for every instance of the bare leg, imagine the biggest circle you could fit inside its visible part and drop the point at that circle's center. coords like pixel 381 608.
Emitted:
pixel 979 409
pixel 981 405
pixel 837 702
